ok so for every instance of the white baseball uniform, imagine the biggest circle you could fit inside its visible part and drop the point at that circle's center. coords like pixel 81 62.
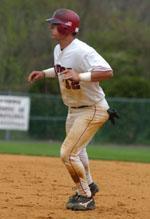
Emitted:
pixel 82 58
pixel 87 108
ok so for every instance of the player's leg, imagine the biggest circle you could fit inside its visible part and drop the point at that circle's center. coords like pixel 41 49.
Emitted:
pixel 77 137
pixel 84 127
pixel 93 187
pixel 69 123
pixel 84 159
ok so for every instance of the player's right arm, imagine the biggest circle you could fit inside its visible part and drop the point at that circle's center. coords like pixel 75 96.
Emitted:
pixel 38 75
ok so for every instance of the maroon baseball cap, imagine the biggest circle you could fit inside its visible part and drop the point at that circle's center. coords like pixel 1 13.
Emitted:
pixel 67 18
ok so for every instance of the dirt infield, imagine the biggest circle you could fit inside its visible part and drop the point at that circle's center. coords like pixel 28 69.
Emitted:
pixel 38 187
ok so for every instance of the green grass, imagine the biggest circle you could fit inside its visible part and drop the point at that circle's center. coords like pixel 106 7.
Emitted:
pixel 100 152
pixel 121 153
pixel 30 148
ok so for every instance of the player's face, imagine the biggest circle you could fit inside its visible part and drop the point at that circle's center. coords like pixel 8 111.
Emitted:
pixel 54 32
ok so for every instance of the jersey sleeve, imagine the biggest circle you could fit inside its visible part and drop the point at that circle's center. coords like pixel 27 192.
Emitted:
pixel 95 62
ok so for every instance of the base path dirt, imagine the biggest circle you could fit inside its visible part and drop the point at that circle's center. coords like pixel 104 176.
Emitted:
pixel 38 188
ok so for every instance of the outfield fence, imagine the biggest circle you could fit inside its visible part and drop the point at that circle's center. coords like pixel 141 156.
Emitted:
pixel 48 113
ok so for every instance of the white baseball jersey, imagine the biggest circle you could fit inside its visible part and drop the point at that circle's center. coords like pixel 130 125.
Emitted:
pixel 82 58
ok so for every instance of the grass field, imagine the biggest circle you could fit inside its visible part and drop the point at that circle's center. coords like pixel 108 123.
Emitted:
pixel 101 152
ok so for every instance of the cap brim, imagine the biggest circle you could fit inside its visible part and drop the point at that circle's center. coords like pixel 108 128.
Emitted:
pixel 54 21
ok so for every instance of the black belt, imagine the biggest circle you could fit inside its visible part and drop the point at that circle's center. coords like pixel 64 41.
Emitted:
pixel 78 107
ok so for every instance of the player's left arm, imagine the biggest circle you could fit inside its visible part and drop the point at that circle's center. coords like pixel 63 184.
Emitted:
pixel 101 75
pixel 97 69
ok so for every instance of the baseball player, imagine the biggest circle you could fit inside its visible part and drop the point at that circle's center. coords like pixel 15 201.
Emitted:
pixel 79 69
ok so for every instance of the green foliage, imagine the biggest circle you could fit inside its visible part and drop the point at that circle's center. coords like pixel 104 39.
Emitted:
pixel 126 86
pixel 119 31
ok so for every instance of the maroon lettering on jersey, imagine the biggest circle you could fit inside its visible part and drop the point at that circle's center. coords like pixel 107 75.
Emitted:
pixel 59 69
pixel 68 83
pixel 72 85
pixel 75 85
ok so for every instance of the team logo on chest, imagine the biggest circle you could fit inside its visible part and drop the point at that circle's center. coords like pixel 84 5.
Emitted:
pixel 59 69
pixel 69 84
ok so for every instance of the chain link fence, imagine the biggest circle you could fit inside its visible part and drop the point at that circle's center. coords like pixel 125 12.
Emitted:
pixel 48 114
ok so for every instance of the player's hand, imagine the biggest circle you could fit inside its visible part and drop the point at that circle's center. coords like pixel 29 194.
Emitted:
pixel 35 76
pixel 70 74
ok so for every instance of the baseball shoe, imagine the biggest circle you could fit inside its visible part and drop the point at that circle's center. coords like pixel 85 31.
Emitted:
pixel 83 203
pixel 73 199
